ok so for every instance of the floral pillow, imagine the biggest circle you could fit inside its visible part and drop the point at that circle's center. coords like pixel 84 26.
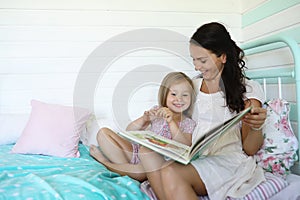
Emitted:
pixel 279 151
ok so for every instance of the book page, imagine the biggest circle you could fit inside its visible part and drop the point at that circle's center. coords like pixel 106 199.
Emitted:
pixel 157 142
pixel 214 133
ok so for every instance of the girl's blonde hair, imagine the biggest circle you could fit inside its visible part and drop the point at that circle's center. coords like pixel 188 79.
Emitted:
pixel 171 79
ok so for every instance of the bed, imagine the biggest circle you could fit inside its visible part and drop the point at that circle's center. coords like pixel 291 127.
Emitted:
pixel 35 176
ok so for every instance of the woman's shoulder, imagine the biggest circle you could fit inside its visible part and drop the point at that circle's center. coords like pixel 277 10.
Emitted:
pixel 251 82
pixel 254 90
pixel 252 86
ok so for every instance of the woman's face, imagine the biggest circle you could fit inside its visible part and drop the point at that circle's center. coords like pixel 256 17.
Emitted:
pixel 206 62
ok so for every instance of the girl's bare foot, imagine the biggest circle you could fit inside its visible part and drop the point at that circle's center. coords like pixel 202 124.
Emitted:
pixel 97 154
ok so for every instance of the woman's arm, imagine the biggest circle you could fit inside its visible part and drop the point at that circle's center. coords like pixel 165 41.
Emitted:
pixel 251 127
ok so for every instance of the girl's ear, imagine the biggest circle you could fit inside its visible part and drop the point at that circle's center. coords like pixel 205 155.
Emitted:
pixel 223 58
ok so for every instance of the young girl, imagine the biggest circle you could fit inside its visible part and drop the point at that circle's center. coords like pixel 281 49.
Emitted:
pixel 170 119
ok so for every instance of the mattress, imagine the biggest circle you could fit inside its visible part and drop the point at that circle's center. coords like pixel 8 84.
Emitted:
pixel 292 191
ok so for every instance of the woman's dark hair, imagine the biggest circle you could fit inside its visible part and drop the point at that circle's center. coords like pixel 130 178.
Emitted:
pixel 215 38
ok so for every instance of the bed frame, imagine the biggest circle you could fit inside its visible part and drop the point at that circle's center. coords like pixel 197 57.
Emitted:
pixel 287 75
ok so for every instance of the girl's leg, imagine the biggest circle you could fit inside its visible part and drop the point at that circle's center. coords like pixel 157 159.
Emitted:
pixel 152 163
pixel 115 148
pixel 182 182
pixel 97 154
pixel 135 171
pixel 117 154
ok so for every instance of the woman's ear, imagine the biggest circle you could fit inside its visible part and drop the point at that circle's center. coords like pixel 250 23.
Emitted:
pixel 223 58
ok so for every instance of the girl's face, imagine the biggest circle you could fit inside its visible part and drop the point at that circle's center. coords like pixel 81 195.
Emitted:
pixel 179 97
pixel 207 63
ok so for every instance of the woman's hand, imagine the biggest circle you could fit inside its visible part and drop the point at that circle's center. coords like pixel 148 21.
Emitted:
pixel 253 122
pixel 256 118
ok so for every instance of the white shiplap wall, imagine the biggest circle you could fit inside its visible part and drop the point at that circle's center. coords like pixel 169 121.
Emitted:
pixel 278 23
pixel 44 44
pixel 284 20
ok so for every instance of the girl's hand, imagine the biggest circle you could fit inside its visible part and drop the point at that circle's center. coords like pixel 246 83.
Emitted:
pixel 151 114
pixel 256 118
pixel 165 113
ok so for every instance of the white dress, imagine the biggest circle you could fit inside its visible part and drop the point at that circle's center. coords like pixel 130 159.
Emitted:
pixel 225 170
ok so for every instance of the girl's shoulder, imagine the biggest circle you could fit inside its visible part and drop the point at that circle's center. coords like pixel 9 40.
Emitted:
pixel 155 107
pixel 188 119
pixel 189 122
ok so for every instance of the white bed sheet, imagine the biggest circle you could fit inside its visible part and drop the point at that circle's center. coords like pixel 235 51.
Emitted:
pixel 292 191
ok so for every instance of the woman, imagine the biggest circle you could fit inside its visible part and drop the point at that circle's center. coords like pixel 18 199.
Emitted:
pixel 228 168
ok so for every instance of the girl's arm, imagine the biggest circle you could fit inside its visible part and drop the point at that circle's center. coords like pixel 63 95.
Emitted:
pixel 177 134
pixel 252 137
pixel 144 121
pixel 139 124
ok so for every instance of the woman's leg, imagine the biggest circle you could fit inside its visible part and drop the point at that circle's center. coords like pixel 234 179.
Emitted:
pixel 182 182
pixel 152 163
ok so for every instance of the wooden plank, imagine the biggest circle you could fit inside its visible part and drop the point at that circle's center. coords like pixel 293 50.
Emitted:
pixel 286 19
pixel 112 18
pixel 224 6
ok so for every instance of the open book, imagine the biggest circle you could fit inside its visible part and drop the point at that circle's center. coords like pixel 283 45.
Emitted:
pixel 176 150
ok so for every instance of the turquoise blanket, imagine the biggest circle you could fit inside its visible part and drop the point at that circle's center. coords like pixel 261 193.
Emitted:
pixel 45 177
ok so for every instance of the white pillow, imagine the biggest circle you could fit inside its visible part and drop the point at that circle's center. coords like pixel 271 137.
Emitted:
pixel 11 127
pixel 89 136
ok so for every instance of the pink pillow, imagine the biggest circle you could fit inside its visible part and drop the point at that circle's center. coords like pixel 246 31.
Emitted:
pixel 52 130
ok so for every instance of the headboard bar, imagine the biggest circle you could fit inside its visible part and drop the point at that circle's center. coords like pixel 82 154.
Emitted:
pixel 250 47
pixel 274 73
